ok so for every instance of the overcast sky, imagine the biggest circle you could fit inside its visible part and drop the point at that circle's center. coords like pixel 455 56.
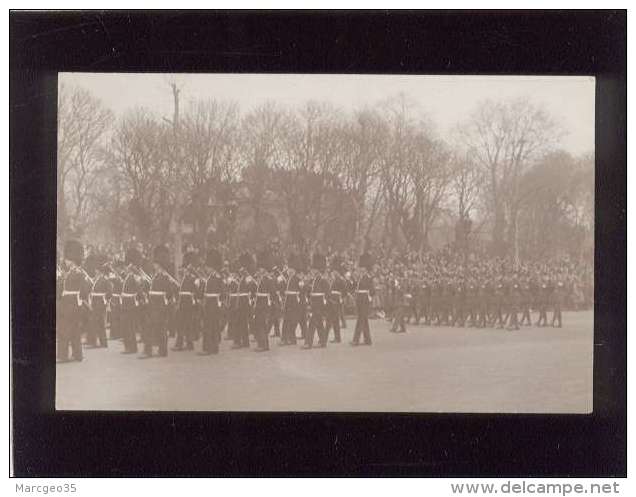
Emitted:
pixel 446 99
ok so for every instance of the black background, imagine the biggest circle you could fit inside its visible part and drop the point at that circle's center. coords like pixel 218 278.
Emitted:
pixel 49 443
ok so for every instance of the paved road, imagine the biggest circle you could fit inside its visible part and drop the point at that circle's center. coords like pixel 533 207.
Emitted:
pixel 429 369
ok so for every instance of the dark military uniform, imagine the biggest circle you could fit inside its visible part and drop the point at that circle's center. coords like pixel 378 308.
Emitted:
pixel 337 290
pixel 545 296
pixel 115 305
pixel 131 297
pixel 162 292
pixel 213 293
pixel 189 294
pixel 425 301
pixel 265 293
pixel 318 294
pixel 364 292
pixel 99 299
pixel 73 305
pixel 292 305
pixel 514 300
pixel 559 296
pixel 402 306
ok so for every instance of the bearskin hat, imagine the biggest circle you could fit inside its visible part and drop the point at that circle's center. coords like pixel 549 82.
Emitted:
pixel 336 263
pixel 133 256
pixel 264 260
pixel 190 259
pixel 318 261
pixel 294 262
pixel 213 259
pixel 92 263
pixel 366 261
pixel 246 261
pixel 74 251
pixel 161 256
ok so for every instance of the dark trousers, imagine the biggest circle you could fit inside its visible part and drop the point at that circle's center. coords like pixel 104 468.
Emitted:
pixel 482 315
pixel 362 325
pixel 115 321
pixel 543 315
pixel 290 323
pixel 211 335
pixel 129 326
pixel 302 321
pixel 525 316
pixel 343 321
pixel 333 322
pixel 69 328
pixel 499 317
pixel 557 315
pixel 96 332
pixel 459 318
pixel 513 322
pixel 425 312
pixel 156 333
pixel 242 327
pixel 399 319
pixel 316 323
pixel 186 325
pixel 261 327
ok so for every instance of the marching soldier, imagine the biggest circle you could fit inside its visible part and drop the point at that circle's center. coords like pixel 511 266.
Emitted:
pixel 425 301
pixel 402 305
pixel 187 305
pixel 500 297
pixel 558 299
pixel 115 303
pixel 364 292
pixel 471 303
pixel 243 316
pixel 461 299
pixel 514 299
pixel 76 286
pixel 213 297
pixel 545 294
pixel 292 306
pixel 276 311
pixel 483 296
pixel 337 289
pixel 162 293
pixel 318 293
pixel 265 290
pixel 99 302
pixel 527 292
pixel 131 296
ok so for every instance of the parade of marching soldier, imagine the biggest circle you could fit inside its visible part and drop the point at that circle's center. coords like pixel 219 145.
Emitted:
pixel 325 243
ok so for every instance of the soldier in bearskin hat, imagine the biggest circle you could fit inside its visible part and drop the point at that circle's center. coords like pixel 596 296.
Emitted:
pixel 246 289
pixel 187 304
pixel 132 300
pixel 318 294
pixel 337 291
pixel 115 303
pixel 292 304
pixel 73 304
pixel 101 292
pixel 213 294
pixel 162 292
pixel 364 292
pixel 263 300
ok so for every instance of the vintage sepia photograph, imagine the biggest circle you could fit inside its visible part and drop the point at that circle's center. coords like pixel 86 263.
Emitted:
pixel 325 243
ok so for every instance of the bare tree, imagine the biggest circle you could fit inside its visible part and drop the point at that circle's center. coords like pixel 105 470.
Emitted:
pixel 82 126
pixel 505 138
pixel 137 150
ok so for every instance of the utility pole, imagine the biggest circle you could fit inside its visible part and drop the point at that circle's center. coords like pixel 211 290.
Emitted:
pixel 177 211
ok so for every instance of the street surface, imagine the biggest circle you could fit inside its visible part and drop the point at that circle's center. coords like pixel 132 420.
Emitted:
pixel 428 369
